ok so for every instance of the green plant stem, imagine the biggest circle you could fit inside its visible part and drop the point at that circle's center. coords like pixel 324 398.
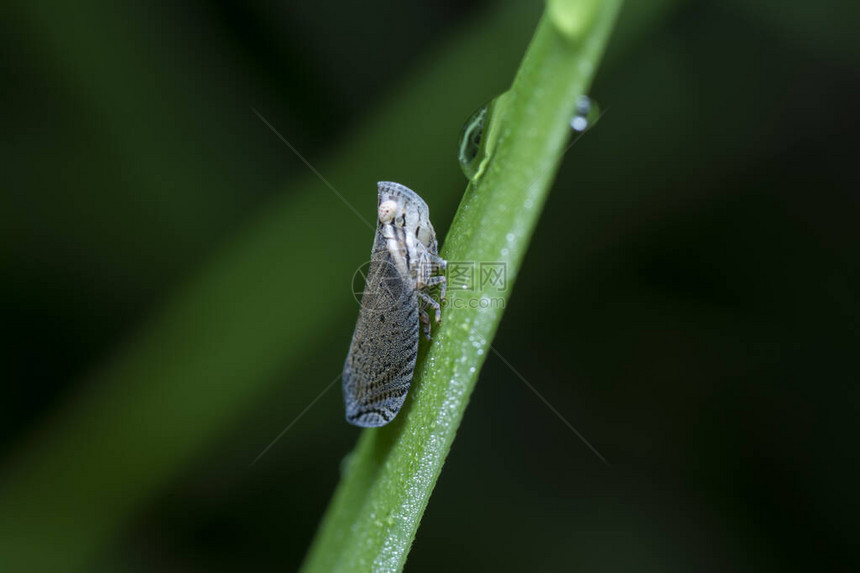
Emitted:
pixel 378 505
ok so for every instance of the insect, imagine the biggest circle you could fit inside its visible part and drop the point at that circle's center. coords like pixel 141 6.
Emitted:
pixel 404 263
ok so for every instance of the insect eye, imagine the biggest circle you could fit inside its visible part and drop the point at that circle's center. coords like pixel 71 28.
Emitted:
pixel 387 211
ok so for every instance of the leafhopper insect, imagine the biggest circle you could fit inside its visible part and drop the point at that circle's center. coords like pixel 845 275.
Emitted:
pixel 404 263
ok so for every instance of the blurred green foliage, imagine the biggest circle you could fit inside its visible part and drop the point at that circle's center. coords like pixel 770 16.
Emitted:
pixel 689 301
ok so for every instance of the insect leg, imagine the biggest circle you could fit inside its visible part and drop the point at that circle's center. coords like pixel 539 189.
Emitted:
pixel 439 280
pixel 425 321
pixel 437 260
pixel 441 265
pixel 429 300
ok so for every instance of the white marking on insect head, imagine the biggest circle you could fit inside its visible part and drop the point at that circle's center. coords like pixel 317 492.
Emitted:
pixel 388 210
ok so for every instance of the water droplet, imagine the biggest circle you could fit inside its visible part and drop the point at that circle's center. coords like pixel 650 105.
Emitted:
pixel 470 141
pixel 478 137
pixel 481 132
pixel 586 115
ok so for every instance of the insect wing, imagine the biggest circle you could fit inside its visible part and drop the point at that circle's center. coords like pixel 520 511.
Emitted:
pixel 384 346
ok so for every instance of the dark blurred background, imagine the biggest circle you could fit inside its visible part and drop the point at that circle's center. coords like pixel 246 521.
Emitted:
pixel 689 301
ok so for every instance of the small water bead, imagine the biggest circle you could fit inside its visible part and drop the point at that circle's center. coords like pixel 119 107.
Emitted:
pixel 478 137
pixel 470 141
pixel 481 131
pixel 586 114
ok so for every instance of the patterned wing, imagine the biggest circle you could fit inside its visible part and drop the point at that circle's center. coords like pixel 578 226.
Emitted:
pixel 381 358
